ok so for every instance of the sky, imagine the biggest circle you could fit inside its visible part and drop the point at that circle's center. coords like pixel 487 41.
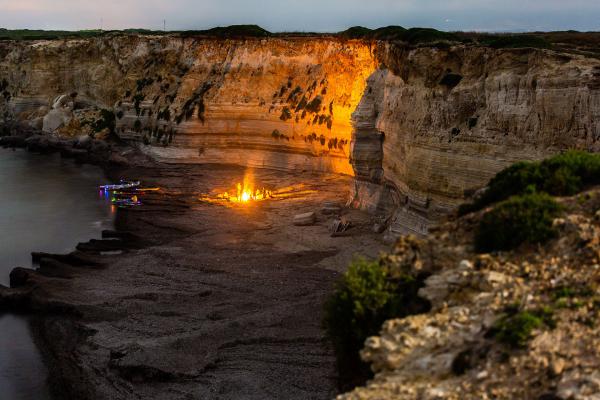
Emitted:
pixel 303 15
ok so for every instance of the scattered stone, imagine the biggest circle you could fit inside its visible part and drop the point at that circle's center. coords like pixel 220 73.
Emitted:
pixel 83 142
pixel 305 219
pixel 379 227
pixel 406 256
pixel 557 367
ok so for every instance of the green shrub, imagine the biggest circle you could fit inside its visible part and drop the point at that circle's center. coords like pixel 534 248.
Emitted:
pixel 571 296
pixel 391 32
pixel 359 305
pixel 428 35
pixel 516 327
pixel 356 32
pixel 27 34
pixel 365 297
pixel 412 35
pixel 562 175
pixel 520 219
pixel 233 31
pixel 572 291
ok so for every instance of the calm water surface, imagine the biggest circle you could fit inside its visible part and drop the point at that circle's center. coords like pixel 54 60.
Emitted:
pixel 46 204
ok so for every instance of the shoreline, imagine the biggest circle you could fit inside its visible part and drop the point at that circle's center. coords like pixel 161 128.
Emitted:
pixel 205 301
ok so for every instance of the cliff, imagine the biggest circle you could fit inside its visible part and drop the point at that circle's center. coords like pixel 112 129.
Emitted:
pixel 517 324
pixel 268 103
pixel 420 128
pixel 446 120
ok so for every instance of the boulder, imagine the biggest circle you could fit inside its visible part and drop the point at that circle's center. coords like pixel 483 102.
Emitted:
pixel 37 123
pixel 63 101
pixel 83 142
pixel 19 277
pixel 56 118
pixel 308 218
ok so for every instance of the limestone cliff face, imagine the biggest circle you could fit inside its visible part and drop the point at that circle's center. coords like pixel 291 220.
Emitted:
pixel 437 124
pixel 277 103
pixel 419 128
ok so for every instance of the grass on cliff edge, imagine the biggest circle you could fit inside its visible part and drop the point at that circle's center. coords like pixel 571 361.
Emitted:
pixel 562 175
pixel 429 36
pixel 232 31
pixel 525 208
pixel 515 328
pixel 366 296
pixel 521 219
pixel 413 36
pixel 38 34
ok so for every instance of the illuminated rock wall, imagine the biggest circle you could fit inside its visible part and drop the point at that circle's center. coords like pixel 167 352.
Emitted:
pixel 419 128
pixel 278 103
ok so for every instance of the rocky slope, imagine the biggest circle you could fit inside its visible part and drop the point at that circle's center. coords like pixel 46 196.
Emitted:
pixel 455 352
pixel 420 128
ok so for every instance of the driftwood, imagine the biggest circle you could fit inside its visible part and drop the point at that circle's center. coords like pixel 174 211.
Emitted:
pixel 339 226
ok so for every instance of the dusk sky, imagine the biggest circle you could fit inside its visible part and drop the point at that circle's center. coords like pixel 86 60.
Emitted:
pixel 303 15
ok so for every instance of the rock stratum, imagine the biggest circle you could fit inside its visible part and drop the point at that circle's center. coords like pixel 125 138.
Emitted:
pixel 420 128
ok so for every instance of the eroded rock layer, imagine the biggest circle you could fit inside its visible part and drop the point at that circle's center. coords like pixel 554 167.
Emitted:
pixel 437 124
pixel 420 128
pixel 277 103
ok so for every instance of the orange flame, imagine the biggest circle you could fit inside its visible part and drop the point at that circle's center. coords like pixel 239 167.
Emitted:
pixel 245 192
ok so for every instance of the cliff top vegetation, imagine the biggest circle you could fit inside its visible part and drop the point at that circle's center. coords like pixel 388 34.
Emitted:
pixel 585 43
